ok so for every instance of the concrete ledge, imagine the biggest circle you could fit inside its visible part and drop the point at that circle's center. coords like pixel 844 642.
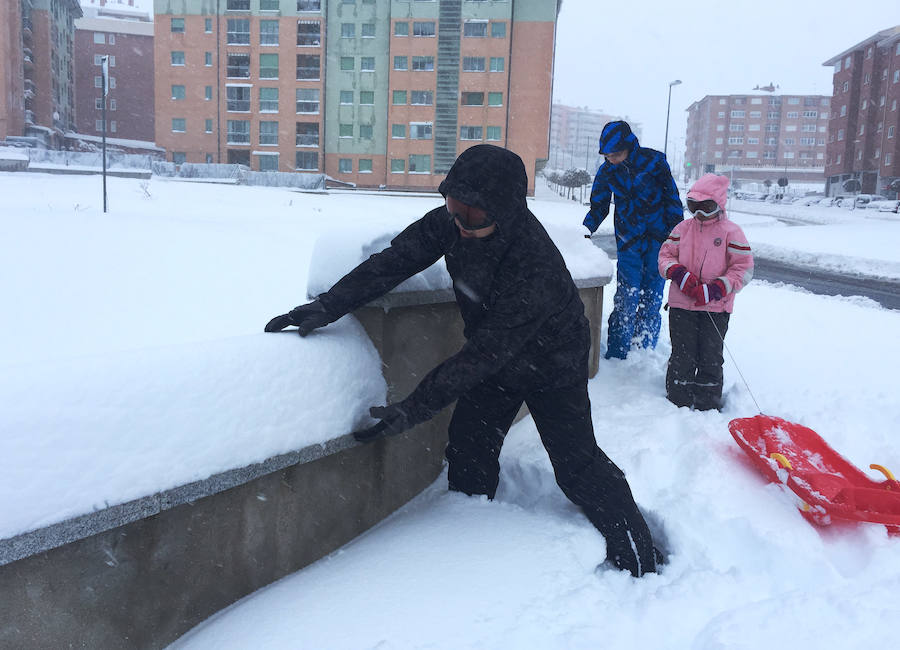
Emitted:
pixel 142 573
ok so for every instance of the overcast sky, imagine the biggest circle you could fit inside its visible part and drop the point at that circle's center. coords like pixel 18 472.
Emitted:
pixel 621 56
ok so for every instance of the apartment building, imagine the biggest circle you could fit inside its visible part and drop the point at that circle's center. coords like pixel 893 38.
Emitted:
pixel 129 104
pixel 864 129
pixel 758 137
pixel 575 136
pixel 37 97
pixel 370 92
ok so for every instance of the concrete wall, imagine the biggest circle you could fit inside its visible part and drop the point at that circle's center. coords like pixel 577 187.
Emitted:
pixel 142 574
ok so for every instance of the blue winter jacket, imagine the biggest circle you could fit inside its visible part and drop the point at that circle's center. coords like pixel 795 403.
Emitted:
pixel 647 202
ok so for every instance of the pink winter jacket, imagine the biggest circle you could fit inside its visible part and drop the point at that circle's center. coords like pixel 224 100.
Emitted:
pixel 709 250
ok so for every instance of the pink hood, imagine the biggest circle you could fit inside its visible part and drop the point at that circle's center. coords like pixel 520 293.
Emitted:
pixel 710 186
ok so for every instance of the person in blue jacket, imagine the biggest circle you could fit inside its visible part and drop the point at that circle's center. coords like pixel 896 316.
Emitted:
pixel 647 207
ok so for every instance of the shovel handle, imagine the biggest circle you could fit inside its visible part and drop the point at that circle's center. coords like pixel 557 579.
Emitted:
pixel 884 470
pixel 784 462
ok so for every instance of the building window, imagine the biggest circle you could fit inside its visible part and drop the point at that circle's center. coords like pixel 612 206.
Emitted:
pixel 309 33
pixel 268 100
pixel 177 26
pixel 178 125
pixel 207 93
pixel 840 135
pixel 398 165
pixel 308 100
pixel 268 162
pixel 419 164
pixel 753 127
pixel 207 58
pixel 98 59
pixel 470 133
pixel 238 66
pixel 345 165
pixel 207 125
pixel 347 63
pixel 238 99
pixel 367 64
pixel 398 97
pixel 398 131
pixel 472 99
pixel 790 128
pixel 366 97
pixel 98 103
pixel 207 25
pixel 495 99
pixel 497 64
pixel 307 134
pixel 177 58
pixel 99 38
pixel 789 141
pixel 769 155
pixel 843 110
pixel 365 132
pixel 793 115
pixel 309 5
pixel 348 30
pixel 98 81
pixel 888 157
pixel 307 161
pixel 368 31
pixel 346 97
pixel 420 130
pixel 268 66
pixel 896 76
pixel 890 132
pixel 268 133
pixel 345 130
pixel 752 140
pixel 112 104
pixel 738 114
pixel 401 63
pixel 98 125
pixel 308 66
pixel 423 28
pixel 423 63
pixel 177 92
pixel 238 132
pixel 788 155
pixel 846 86
pixel 734 153
pixel 238 5
pixel 238 31
pixel 268 32
pixel 498 30
pixel 492 133
pixel 179 157
pixel 736 127
pixel 421 97
pixel 473 64
pixel 736 140
pixel 112 82
pixel 365 165
pixel 475 29
pixel 401 29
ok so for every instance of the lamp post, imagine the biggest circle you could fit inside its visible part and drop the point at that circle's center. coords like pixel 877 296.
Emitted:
pixel 668 108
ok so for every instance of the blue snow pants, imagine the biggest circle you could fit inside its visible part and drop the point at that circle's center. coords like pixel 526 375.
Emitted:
pixel 635 316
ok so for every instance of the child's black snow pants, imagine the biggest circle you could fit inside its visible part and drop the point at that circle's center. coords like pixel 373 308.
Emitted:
pixel 586 475
pixel 694 376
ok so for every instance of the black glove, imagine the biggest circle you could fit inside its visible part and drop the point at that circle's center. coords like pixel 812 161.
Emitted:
pixel 306 317
pixel 395 418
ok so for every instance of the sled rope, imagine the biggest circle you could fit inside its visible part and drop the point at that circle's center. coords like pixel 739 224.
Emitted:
pixel 711 320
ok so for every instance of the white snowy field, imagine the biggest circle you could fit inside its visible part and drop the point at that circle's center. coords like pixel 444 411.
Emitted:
pixel 148 321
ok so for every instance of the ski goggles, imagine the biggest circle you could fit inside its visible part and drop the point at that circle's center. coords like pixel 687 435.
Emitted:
pixel 465 224
pixel 705 208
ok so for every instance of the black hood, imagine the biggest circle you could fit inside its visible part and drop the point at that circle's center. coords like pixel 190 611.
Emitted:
pixel 491 178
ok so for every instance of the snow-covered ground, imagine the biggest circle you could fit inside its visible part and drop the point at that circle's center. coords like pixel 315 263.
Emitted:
pixel 171 290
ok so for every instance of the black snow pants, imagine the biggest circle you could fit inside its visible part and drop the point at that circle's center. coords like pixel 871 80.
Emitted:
pixel 586 475
pixel 694 375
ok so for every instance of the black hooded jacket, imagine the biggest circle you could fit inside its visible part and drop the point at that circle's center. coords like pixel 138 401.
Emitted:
pixel 524 321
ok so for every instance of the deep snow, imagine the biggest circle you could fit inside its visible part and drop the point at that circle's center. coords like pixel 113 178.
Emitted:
pixel 168 294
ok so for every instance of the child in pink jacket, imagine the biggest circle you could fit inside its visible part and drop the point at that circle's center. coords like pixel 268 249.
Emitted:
pixel 708 260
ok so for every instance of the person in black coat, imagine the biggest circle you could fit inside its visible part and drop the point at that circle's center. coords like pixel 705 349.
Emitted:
pixel 527 340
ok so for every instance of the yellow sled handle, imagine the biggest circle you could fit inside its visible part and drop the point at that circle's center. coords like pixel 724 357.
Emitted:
pixel 784 462
pixel 884 470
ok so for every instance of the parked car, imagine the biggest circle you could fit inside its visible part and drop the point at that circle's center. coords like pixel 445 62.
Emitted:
pixel 862 200
pixel 815 199
pixel 890 205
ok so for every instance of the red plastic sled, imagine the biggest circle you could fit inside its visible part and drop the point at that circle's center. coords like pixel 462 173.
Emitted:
pixel 829 487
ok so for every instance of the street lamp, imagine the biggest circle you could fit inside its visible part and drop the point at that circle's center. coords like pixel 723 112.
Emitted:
pixel 668 108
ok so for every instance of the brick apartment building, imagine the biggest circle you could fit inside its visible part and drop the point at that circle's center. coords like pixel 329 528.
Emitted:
pixel 864 130
pixel 371 92
pixel 37 98
pixel 575 136
pixel 758 137
pixel 129 105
